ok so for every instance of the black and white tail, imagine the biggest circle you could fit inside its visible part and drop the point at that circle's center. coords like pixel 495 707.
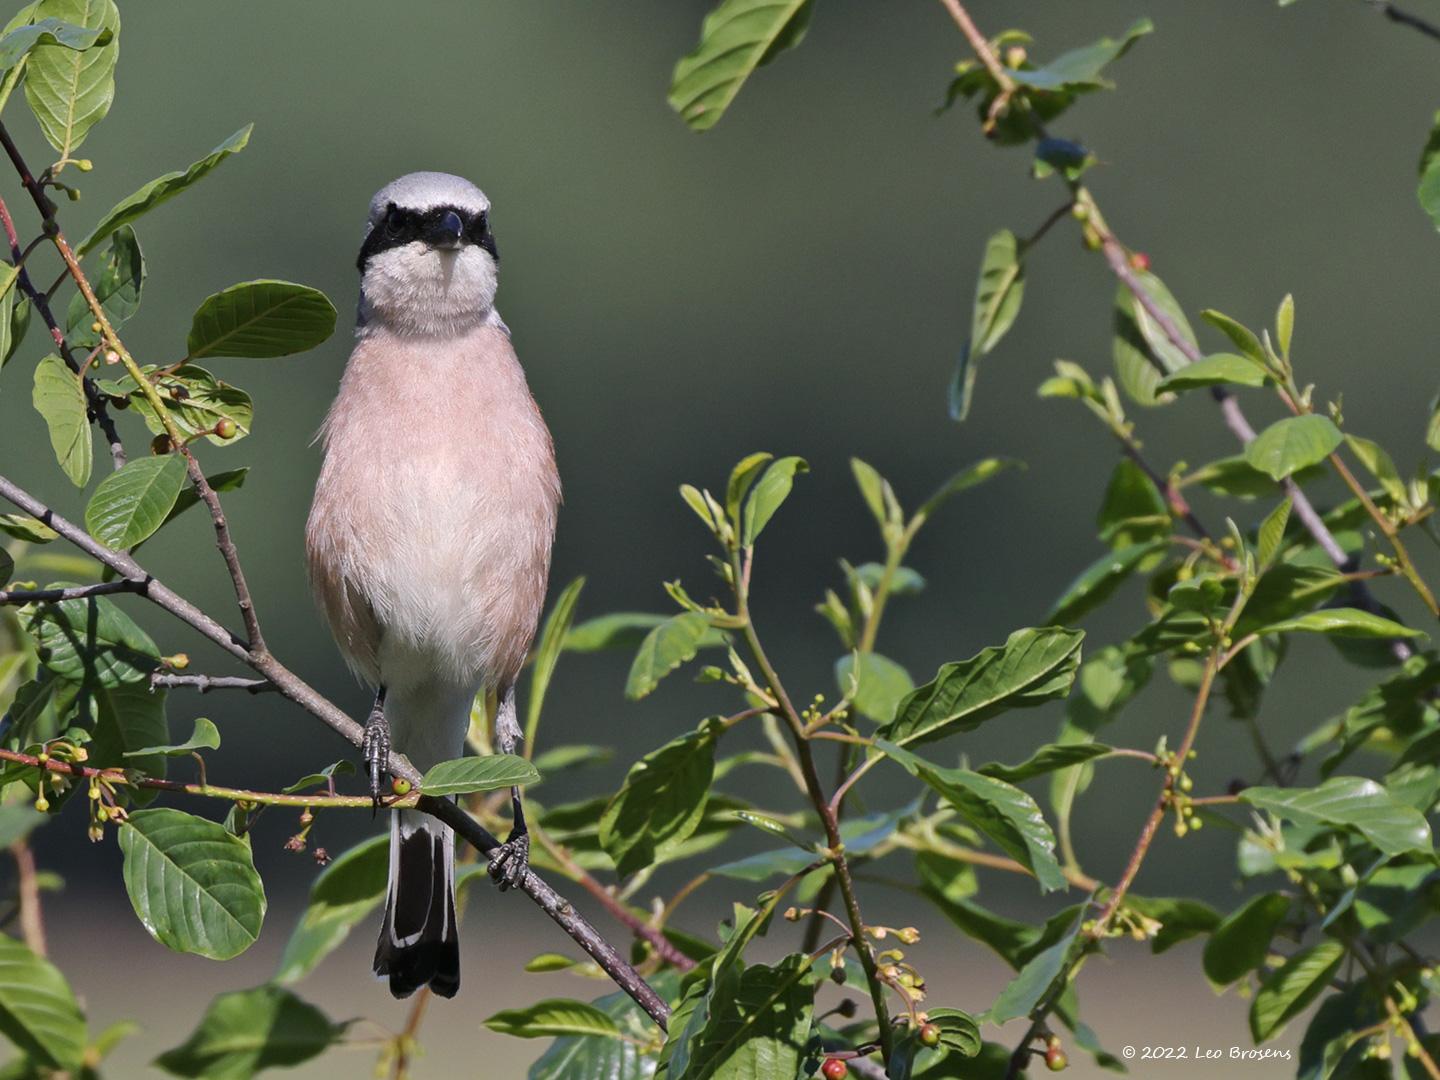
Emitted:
pixel 419 943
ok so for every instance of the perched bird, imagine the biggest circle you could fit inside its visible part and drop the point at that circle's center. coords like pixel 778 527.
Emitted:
pixel 428 542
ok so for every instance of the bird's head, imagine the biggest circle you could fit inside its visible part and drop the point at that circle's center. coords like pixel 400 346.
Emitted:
pixel 428 263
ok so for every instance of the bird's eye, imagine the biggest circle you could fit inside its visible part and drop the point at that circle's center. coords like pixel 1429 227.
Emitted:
pixel 395 221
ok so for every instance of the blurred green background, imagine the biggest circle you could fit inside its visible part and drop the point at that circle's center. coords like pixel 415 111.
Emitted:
pixel 797 280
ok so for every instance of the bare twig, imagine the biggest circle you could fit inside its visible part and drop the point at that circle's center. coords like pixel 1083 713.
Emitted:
pixel 226 544
pixel 1405 18
pixel 32 920
pixel 206 683
pixel 74 592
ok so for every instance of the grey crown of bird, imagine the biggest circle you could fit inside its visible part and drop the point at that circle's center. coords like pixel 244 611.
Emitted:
pixel 428 542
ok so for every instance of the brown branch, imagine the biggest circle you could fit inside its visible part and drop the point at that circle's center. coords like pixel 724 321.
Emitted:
pixel 206 683
pixel 74 592
pixel 1405 18
pixel 226 544
pixel 295 689
pixel 32 920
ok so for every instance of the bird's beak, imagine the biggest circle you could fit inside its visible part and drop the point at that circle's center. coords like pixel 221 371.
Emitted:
pixel 446 232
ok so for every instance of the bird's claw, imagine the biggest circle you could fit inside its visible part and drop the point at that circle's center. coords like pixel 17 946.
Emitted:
pixel 376 749
pixel 511 861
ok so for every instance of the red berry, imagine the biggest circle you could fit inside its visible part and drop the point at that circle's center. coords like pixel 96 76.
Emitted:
pixel 1055 1058
pixel 929 1035
pixel 400 786
pixel 834 1069
pixel 1139 260
pixel 226 428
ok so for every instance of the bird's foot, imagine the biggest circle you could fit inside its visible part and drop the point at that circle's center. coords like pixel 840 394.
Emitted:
pixel 511 861
pixel 376 749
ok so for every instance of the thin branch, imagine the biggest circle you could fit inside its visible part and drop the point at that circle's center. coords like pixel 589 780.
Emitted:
pixel 32 921
pixel 1405 18
pixel 74 592
pixel 226 544
pixel 206 683
pixel 295 689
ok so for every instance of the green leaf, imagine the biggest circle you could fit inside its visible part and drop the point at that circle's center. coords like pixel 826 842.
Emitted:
pixel 196 401
pixel 547 962
pixel 958 1030
pixel 772 489
pixel 23 527
pixel 463 776
pixel 1142 352
pixel 746 471
pixel 1429 190
pixel 998 294
pixel 261 319
pixel 756 1025
pixel 1179 919
pixel 1080 69
pixel 1033 666
pixel 735 39
pixel 60 399
pixel 246 1031
pixel 874 489
pixel 571 756
pixel 1272 533
pixel 1286 993
pixel 1349 802
pixel 666 647
pixel 91 640
pixel 1098 581
pixel 1242 338
pixel 1047 759
pixel 1285 324
pixel 861 836
pixel 602 1057
pixel 1289 445
pixel 17 822
pixel 345 893
pixel 117 285
pixel 192 884
pixel 554 1017
pixel 1220 369
pixel 1380 465
pixel 160 189
pixel 221 482
pixel 52 31
pixel 131 503
pixel 129 717
pixel 343 767
pixel 38 1010
pixel 1033 980
pixel 621 630
pixel 1133 511
pixel 547 653
pixel 68 91
pixel 880 684
pixel 205 736
pixel 14 315
pixel 1001 811
pixel 662 800
pixel 966 478
pixel 1341 622
pixel 1240 944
